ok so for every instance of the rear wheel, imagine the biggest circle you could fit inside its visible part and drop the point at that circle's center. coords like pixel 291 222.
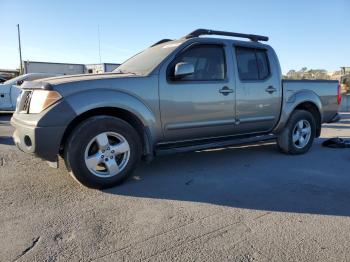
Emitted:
pixel 102 151
pixel 299 133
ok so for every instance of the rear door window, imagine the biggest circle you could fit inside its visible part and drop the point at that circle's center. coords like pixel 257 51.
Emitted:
pixel 252 64
pixel 263 64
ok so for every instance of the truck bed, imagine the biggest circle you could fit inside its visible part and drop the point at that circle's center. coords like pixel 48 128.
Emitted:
pixel 326 90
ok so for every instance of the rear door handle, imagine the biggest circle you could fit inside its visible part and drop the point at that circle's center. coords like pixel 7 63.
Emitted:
pixel 270 89
pixel 225 90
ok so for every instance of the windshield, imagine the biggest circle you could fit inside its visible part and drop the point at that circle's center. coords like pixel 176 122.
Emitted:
pixel 143 63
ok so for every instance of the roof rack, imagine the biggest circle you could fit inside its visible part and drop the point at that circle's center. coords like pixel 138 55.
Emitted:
pixel 199 32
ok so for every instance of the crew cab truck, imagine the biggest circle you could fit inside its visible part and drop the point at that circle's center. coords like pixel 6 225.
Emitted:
pixel 177 95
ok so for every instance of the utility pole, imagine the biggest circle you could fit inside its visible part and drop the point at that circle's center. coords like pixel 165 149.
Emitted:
pixel 20 51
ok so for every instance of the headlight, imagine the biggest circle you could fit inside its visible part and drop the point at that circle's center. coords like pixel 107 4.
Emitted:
pixel 42 99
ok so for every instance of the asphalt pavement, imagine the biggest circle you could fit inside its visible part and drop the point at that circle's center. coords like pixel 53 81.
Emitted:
pixel 243 203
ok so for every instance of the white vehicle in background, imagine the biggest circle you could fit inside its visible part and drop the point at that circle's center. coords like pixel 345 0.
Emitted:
pixel 10 89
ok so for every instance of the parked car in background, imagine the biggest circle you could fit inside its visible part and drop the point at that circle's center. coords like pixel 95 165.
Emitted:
pixel 10 89
pixel 178 95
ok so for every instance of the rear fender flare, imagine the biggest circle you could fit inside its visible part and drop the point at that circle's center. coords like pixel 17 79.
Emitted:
pixel 292 102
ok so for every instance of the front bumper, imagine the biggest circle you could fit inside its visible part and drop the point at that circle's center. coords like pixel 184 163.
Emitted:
pixel 44 142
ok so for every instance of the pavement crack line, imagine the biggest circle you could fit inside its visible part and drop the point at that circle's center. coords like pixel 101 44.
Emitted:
pixel 34 242
pixel 159 234
pixel 192 240
pixel 265 214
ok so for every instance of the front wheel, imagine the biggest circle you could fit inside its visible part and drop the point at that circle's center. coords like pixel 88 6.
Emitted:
pixel 299 133
pixel 102 151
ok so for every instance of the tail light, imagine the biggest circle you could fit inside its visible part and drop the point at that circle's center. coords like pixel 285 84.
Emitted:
pixel 339 94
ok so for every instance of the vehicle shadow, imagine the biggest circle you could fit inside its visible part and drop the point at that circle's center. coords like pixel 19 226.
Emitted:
pixel 6 140
pixel 251 177
pixel 5 114
pixel 5 117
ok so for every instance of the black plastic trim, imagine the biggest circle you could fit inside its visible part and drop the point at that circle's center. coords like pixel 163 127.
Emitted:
pixel 200 32
pixel 36 85
pixel 188 146
pixel 161 42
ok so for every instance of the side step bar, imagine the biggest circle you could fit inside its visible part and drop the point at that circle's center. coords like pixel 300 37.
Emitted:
pixel 166 149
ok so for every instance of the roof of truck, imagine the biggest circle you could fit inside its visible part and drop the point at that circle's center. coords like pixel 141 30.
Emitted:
pixel 255 40
pixel 200 32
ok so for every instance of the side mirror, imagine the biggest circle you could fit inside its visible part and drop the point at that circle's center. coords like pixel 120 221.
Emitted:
pixel 19 82
pixel 183 69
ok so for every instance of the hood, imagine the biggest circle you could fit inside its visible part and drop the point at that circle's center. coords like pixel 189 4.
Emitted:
pixel 49 83
pixel 83 77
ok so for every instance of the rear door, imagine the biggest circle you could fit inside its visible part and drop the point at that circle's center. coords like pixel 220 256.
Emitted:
pixel 202 104
pixel 258 98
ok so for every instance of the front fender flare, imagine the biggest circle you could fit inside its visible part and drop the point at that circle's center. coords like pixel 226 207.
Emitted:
pixel 92 99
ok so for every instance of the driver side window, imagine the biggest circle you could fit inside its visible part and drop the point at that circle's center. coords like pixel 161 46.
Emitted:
pixel 208 61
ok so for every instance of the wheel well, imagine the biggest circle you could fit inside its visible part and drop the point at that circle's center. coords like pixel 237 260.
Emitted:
pixel 125 115
pixel 313 109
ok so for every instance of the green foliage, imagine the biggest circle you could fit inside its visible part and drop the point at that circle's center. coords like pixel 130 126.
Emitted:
pixel 304 73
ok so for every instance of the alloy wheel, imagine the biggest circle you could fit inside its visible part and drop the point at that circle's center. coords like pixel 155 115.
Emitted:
pixel 301 133
pixel 107 154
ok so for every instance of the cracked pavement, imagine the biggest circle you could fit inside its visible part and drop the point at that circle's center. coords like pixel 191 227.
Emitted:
pixel 244 203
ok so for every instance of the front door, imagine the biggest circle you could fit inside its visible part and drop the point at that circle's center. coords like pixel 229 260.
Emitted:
pixel 201 104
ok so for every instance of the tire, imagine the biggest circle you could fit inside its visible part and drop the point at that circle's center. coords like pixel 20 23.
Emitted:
pixel 102 151
pixel 287 140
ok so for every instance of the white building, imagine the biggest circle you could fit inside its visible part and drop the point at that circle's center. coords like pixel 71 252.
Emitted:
pixel 67 69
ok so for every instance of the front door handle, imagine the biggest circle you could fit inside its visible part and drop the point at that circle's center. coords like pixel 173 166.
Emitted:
pixel 225 90
pixel 270 89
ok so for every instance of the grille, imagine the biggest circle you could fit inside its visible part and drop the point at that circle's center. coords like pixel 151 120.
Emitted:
pixel 25 102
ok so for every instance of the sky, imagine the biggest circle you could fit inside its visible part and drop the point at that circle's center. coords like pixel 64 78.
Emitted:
pixel 313 34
